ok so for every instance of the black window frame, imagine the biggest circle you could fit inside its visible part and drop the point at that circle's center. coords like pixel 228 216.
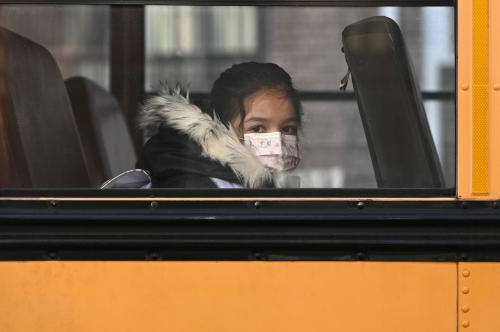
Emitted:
pixel 128 100
pixel 277 225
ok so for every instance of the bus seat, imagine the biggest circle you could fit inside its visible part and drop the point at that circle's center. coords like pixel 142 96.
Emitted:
pixel 106 139
pixel 131 179
pixel 39 142
pixel 391 107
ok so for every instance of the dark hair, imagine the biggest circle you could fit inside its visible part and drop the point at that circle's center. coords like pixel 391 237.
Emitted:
pixel 242 80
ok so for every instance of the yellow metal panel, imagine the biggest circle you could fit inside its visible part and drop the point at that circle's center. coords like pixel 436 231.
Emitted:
pixel 464 96
pixel 480 167
pixel 227 296
pixel 481 41
pixel 494 97
pixel 478 159
pixel 479 294
pixel 481 176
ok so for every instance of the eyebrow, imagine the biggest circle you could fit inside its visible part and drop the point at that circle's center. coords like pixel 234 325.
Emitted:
pixel 294 119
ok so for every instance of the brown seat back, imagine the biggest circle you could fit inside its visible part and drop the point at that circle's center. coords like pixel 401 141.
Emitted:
pixel 39 142
pixel 103 129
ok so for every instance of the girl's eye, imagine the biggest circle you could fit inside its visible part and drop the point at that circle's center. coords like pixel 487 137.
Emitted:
pixel 289 130
pixel 257 129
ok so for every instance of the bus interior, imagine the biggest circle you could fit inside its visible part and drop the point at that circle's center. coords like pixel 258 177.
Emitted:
pixel 73 78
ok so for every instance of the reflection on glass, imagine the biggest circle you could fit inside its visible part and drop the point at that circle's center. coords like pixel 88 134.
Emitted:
pixel 334 149
pixel 77 36
pixel 198 43
pixel 193 45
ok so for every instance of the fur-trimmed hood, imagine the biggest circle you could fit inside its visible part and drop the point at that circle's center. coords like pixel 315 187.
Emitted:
pixel 219 143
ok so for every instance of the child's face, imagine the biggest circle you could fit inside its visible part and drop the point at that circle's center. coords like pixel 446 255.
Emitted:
pixel 267 111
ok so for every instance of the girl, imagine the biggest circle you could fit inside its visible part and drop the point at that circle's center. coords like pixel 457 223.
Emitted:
pixel 245 138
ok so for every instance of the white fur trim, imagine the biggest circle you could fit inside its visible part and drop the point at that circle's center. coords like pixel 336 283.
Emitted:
pixel 216 140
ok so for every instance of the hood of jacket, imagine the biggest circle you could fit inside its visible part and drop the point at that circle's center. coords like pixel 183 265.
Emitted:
pixel 180 129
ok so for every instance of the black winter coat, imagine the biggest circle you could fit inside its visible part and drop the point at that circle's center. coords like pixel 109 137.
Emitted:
pixel 174 161
pixel 187 148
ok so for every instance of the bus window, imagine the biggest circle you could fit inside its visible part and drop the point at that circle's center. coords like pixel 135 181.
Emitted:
pixel 109 89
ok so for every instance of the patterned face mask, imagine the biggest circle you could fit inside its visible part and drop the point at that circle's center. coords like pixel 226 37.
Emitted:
pixel 275 150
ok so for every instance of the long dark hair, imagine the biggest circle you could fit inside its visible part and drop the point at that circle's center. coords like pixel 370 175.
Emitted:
pixel 244 79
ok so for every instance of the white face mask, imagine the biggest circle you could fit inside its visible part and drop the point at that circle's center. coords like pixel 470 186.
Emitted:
pixel 275 150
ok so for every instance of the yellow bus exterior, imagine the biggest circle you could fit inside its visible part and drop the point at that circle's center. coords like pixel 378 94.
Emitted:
pixel 51 296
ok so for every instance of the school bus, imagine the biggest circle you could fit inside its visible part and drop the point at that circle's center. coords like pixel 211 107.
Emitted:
pixel 357 248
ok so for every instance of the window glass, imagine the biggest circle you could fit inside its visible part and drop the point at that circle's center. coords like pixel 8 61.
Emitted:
pixel 335 154
pixel 198 43
pixel 310 136
pixel 77 36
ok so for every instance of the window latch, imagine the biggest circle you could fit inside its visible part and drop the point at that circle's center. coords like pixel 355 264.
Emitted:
pixel 344 81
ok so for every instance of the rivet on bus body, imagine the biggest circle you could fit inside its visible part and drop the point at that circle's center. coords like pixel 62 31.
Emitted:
pixel 465 290
pixel 466 273
pixel 361 256
pixel 465 323
pixel 496 86
pixel 465 86
pixel 153 256
pixel 465 308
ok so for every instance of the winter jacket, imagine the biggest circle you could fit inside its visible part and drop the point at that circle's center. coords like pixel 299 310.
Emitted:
pixel 188 148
